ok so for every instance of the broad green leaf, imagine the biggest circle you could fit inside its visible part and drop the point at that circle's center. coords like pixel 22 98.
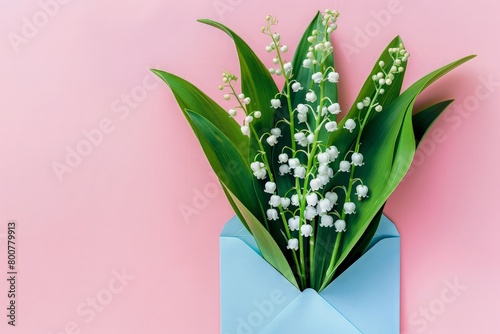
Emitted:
pixel 190 97
pixel 227 162
pixel 362 245
pixel 338 138
pixel 256 83
pixel 423 120
pixel 344 142
pixel 268 247
pixel 388 152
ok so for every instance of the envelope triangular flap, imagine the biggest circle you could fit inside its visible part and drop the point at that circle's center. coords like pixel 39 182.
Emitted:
pixel 252 291
pixel 234 228
pixel 368 292
pixel 386 229
pixel 310 313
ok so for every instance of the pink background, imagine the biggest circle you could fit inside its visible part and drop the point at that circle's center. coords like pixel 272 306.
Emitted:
pixel 119 206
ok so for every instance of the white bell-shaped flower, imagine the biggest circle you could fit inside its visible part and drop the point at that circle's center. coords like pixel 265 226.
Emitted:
pixel 302 108
pixel 323 158
pixel 270 187
pixel 272 140
pixel 307 63
pixel 276 132
pixel 276 103
pixel 296 87
pixel 245 130
pixel 326 221
pixel 283 158
pixel 333 152
pixel 310 138
pixel 293 223
pixel 284 169
pixel 350 124
pixel 325 205
pixel 323 168
pixel 317 77
pixel 301 139
pixel 288 67
pixel 349 208
pixel 357 159
pixel 361 191
pixel 256 166
pixel 334 108
pixel 257 114
pixel 275 201
pixel 311 96
pixel 295 200
pixel 272 214
pixel 333 77
pixel 299 172
pixel 324 179
pixel 285 202
pixel 302 118
pixel 331 126
pixel 312 199
pixel 293 163
pixel 333 197
pixel 324 110
pixel 340 225
pixel 345 166
pixel 306 230
pixel 293 244
pixel 261 174
pixel 232 112
pixel 315 184
pixel 258 169
pixel 310 212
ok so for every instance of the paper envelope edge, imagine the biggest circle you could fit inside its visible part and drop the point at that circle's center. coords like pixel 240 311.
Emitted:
pixel 234 229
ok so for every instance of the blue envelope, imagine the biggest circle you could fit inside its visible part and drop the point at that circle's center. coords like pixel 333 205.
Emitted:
pixel 256 298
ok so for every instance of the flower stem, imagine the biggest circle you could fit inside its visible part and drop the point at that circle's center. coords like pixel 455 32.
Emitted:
pixel 330 272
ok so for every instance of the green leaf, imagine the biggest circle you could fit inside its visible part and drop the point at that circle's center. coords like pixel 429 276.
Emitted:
pixel 343 142
pixel 423 120
pixel 227 162
pixel 362 245
pixel 256 83
pixel 388 151
pixel 269 249
pixel 190 97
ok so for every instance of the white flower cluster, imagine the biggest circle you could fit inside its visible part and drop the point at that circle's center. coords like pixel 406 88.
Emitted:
pixel 308 163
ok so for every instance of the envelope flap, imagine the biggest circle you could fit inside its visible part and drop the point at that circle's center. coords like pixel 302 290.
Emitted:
pixel 368 292
pixel 310 313
pixel 245 309
pixel 235 229
pixel 386 229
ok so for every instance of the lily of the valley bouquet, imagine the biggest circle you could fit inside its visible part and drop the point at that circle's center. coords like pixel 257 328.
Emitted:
pixel 308 185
